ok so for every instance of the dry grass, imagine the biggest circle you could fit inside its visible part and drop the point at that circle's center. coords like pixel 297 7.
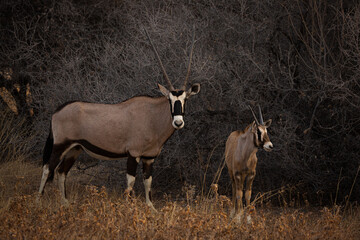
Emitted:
pixel 96 214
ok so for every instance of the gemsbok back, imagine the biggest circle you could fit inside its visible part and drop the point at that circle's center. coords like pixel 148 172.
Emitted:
pixel 136 128
pixel 240 156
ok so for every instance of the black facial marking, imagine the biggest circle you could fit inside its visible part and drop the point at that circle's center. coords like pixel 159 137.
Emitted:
pixel 177 108
pixel 259 134
pixel 177 93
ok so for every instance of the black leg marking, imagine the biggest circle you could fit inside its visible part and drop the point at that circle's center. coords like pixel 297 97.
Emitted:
pixel 55 159
pixel 131 166
pixel 131 174
pixel 69 160
pixel 64 167
pixel 148 168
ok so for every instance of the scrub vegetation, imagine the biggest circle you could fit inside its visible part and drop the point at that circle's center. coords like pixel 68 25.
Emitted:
pixel 96 213
pixel 298 59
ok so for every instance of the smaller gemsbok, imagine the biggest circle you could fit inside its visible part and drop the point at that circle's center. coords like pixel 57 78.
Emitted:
pixel 240 156
pixel 136 128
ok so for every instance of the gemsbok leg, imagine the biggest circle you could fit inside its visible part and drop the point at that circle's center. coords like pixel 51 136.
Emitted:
pixel 51 160
pixel 147 173
pixel 64 167
pixel 239 185
pixel 233 196
pixel 249 181
pixel 131 168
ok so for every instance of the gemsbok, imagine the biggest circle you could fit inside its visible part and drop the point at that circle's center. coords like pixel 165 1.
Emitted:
pixel 240 157
pixel 136 128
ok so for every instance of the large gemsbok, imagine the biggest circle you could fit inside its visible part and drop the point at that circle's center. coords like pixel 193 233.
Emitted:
pixel 240 156
pixel 136 128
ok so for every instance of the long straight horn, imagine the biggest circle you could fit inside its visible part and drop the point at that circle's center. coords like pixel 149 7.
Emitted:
pixel 190 59
pixel 261 116
pixel 161 65
pixel 257 122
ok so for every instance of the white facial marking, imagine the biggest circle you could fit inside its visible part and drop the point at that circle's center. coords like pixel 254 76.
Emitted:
pixel 173 99
pixel 268 146
pixel 178 122
pixel 130 181
pixel 262 131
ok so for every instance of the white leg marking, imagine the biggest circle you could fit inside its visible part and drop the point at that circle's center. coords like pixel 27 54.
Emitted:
pixel 62 157
pixel 44 177
pixel 138 159
pixel 61 181
pixel 147 184
pixel 130 182
pixel 149 161
pixel 67 150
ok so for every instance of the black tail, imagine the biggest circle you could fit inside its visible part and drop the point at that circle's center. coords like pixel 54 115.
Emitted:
pixel 47 153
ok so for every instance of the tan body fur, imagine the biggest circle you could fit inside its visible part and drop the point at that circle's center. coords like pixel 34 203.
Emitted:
pixel 128 127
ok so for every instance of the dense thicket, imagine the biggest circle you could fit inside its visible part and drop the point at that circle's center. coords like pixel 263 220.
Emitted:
pixel 298 59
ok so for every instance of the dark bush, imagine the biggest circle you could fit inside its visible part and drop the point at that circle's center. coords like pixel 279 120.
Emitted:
pixel 298 59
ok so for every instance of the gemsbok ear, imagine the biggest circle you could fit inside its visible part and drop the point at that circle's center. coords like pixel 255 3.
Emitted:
pixel 163 90
pixel 195 89
pixel 267 123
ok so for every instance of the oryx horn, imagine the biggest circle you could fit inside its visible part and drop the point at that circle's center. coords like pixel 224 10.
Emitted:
pixel 190 59
pixel 161 64
pixel 261 117
pixel 257 122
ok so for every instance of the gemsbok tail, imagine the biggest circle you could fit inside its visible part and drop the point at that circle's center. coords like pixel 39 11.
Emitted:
pixel 47 153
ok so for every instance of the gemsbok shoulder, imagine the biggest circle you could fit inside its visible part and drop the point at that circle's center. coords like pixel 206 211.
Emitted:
pixel 240 157
pixel 136 128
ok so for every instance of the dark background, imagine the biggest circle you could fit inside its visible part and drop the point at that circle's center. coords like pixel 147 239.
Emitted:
pixel 298 59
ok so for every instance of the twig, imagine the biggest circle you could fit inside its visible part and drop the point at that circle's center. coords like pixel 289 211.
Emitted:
pixel 306 131
pixel 352 187
pixel 87 167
